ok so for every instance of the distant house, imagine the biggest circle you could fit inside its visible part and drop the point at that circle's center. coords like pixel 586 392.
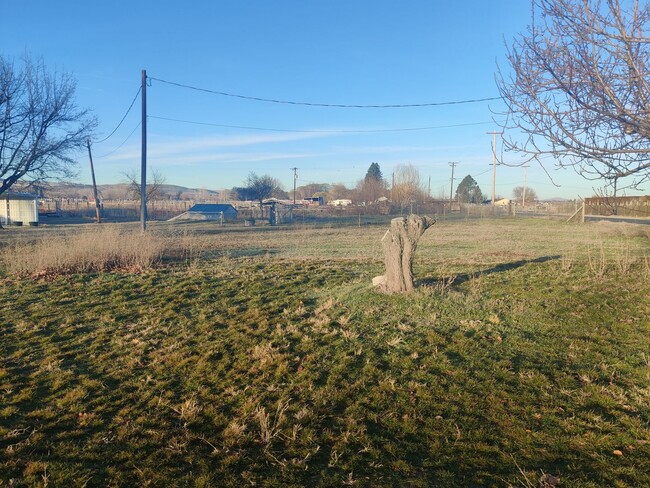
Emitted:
pixel 18 208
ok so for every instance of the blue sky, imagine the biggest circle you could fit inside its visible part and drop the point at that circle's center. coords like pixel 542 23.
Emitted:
pixel 338 52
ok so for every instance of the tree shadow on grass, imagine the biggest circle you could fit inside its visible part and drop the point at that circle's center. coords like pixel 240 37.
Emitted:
pixel 458 280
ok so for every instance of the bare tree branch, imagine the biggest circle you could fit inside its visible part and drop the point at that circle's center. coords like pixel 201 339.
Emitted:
pixel 579 89
pixel 40 124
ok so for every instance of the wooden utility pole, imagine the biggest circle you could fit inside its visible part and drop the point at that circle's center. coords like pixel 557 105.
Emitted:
pixel 92 172
pixel 523 198
pixel 143 166
pixel 451 187
pixel 295 178
pixel 494 162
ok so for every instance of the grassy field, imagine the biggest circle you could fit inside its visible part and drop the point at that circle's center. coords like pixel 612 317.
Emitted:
pixel 263 357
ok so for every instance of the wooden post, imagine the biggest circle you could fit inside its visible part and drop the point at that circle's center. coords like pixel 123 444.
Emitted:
pixel 399 245
pixel 582 212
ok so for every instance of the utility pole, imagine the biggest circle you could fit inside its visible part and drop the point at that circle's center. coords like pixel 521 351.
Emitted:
pixel 523 198
pixel 295 177
pixel 392 185
pixel 143 166
pixel 451 189
pixel 92 172
pixel 429 193
pixel 494 162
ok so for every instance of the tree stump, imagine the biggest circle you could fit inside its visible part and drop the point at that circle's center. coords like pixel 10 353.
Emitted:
pixel 399 245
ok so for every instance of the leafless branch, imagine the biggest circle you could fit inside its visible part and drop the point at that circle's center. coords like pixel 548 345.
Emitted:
pixel 579 89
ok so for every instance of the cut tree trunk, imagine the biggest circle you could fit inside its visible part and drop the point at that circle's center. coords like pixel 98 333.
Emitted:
pixel 399 245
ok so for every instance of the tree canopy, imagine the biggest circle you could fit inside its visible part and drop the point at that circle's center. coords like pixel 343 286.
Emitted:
pixel 468 191
pixel 40 124
pixel 579 89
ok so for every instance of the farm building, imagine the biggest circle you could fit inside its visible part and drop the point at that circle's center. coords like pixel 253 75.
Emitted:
pixel 209 211
pixel 18 209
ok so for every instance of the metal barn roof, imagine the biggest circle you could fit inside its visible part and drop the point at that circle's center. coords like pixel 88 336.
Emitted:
pixel 212 208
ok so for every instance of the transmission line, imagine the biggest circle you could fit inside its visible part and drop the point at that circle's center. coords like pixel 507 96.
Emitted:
pixel 330 105
pixel 118 125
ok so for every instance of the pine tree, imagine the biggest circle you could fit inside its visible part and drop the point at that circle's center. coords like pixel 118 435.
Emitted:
pixel 374 173
pixel 468 191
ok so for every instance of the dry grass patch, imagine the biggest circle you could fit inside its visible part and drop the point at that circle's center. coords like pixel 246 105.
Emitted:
pixel 102 249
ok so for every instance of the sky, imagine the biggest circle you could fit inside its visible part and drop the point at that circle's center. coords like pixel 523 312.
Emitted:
pixel 349 52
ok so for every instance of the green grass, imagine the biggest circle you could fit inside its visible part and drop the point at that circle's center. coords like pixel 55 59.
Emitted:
pixel 268 359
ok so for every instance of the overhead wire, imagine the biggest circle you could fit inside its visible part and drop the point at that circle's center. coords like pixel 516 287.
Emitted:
pixel 318 104
pixel 123 142
pixel 321 131
pixel 121 121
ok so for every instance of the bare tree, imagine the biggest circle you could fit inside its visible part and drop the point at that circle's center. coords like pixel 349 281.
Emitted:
pixel 579 90
pixel 262 187
pixel 518 194
pixel 312 189
pixel 40 124
pixel 370 190
pixel 339 191
pixel 407 185
pixel 154 190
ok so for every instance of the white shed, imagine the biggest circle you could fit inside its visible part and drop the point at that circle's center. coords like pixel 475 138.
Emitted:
pixel 18 208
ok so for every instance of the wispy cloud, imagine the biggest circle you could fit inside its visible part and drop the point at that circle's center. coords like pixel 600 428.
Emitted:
pixel 203 149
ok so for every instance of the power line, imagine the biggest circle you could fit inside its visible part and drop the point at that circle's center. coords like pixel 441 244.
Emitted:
pixel 329 105
pixel 123 142
pixel 118 125
pixel 320 131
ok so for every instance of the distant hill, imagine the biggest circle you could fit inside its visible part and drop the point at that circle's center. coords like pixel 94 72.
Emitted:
pixel 120 191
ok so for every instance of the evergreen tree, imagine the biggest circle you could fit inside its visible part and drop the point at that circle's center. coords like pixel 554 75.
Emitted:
pixel 374 173
pixel 468 191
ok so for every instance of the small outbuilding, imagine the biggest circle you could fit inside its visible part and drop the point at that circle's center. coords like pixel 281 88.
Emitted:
pixel 18 208
pixel 209 211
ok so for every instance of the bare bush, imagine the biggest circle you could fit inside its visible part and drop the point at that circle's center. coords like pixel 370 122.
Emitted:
pixel 103 249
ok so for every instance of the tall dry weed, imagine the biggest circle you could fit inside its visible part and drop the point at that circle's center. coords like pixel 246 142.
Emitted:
pixel 624 259
pixel 101 249
pixel 597 261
